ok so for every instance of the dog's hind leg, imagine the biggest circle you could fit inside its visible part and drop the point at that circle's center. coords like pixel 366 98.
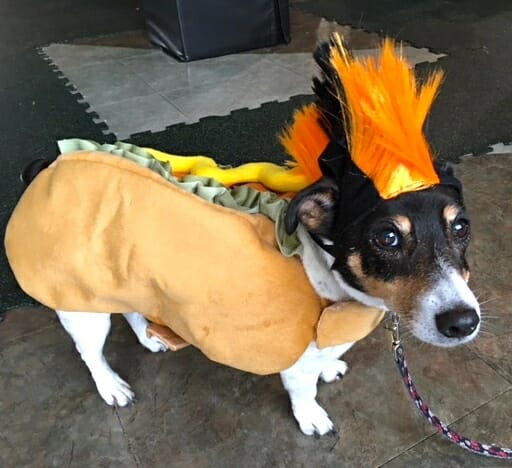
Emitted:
pixel 139 325
pixel 89 331
pixel 332 367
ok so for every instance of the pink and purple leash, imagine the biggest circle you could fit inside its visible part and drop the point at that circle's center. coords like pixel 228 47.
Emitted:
pixel 454 437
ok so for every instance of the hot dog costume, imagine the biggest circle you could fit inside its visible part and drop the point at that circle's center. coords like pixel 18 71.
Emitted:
pixel 209 260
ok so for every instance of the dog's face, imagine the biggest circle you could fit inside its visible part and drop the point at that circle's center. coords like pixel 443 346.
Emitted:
pixel 409 252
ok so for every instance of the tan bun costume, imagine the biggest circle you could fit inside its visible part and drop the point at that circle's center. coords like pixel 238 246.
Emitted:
pixel 95 232
pixel 99 233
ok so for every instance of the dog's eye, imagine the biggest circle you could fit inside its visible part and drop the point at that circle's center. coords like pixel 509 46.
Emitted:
pixel 460 228
pixel 387 239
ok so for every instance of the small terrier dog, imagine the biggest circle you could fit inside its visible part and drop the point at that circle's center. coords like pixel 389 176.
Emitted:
pixel 402 251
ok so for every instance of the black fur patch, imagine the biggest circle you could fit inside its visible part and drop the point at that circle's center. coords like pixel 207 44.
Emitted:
pixel 30 172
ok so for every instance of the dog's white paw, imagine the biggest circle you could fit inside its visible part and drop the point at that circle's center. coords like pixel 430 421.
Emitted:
pixel 114 390
pixel 333 370
pixel 154 344
pixel 312 419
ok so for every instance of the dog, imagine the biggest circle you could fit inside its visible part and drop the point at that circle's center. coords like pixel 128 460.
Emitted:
pixel 404 254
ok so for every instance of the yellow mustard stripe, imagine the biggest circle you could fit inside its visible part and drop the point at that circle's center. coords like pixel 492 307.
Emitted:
pixel 274 177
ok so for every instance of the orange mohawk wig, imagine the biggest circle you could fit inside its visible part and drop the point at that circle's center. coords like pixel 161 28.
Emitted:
pixel 305 141
pixel 384 109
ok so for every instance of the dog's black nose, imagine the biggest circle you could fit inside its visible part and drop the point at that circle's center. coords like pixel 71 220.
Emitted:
pixel 457 323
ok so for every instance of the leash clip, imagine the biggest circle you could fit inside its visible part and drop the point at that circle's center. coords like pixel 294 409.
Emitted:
pixel 393 325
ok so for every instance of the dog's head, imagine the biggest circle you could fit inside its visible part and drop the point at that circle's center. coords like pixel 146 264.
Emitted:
pixel 399 246
pixel 407 255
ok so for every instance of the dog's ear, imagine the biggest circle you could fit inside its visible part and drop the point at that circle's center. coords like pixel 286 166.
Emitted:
pixel 314 207
pixel 444 168
pixel 448 179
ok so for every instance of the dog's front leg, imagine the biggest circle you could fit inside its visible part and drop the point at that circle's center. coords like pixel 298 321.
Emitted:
pixel 300 381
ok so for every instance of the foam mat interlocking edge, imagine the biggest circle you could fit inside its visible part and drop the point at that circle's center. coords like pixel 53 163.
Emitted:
pixel 72 89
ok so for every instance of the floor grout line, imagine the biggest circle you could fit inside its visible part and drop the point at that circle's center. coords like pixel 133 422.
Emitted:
pixel 436 434
pixel 25 335
pixel 495 367
pixel 128 441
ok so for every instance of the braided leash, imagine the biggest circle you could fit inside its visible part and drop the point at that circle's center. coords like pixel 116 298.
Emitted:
pixel 454 437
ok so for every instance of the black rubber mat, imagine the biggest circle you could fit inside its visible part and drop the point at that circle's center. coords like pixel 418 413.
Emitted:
pixel 35 113
pixel 243 136
pixel 474 108
pixel 29 23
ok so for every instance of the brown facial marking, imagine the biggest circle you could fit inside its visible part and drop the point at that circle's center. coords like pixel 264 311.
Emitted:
pixel 354 263
pixel 465 275
pixel 400 294
pixel 403 223
pixel 450 212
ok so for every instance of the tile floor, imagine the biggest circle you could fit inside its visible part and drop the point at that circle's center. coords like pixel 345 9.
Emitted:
pixel 194 413
pixel 138 89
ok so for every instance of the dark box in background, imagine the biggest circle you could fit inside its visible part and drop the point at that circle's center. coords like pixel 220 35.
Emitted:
pixel 195 29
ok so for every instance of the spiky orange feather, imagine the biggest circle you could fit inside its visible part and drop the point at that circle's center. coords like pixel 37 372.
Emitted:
pixel 305 140
pixel 384 110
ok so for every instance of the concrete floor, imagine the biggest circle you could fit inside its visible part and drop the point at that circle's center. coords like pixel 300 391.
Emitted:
pixel 194 413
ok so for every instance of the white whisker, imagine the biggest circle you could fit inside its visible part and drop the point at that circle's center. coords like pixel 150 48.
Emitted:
pixel 481 303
